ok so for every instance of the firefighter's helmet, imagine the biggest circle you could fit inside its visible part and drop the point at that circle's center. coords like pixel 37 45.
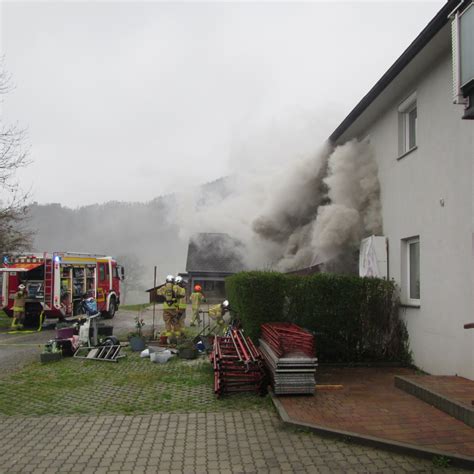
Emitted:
pixel 197 288
pixel 178 280
pixel 225 304
pixel 21 287
pixel 170 279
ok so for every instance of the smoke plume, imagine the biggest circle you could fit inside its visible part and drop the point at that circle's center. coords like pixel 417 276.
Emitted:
pixel 290 203
pixel 308 210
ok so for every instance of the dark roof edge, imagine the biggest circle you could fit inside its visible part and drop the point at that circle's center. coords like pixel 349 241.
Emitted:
pixel 415 47
pixel 213 272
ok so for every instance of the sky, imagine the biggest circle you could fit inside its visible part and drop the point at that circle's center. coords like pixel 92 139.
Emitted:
pixel 129 101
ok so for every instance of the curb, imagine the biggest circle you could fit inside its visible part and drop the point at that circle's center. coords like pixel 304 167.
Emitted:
pixel 441 402
pixel 373 441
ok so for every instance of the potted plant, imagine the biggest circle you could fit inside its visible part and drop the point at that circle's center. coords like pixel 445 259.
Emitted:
pixel 136 339
pixel 187 350
pixel 51 353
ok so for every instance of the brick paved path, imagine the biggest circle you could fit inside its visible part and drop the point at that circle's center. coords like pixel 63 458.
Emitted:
pixel 456 388
pixel 369 404
pixel 231 442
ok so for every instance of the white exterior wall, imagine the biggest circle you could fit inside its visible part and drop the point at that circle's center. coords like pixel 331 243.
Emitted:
pixel 411 188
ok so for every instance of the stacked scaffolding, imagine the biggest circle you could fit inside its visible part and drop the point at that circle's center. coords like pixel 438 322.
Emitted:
pixel 285 338
pixel 288 352
pixel 238 365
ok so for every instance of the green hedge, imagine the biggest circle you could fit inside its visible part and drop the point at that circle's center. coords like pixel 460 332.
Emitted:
pixel 354 319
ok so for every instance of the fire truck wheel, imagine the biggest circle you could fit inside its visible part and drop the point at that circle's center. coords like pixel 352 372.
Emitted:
pixel 112 308
pixel 31 321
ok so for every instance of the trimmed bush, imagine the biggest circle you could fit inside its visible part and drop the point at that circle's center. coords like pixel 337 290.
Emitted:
pixel 354 319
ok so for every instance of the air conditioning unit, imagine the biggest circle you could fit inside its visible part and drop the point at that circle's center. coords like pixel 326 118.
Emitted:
pixel 462 39
pixel 373 257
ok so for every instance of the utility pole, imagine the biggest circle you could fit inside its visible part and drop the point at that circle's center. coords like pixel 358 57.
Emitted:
pixel 154 302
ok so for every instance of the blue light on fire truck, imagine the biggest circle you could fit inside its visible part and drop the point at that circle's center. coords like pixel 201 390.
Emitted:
pixel 5 260
pixel 57 259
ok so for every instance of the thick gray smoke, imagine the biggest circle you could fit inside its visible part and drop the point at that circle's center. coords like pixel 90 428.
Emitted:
pixel 305 211
pixel 291 204
pixel 274 176
pixel 354 209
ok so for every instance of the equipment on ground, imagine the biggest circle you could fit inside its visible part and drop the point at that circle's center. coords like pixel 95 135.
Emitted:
pixel 288 352
pixel 285 338
pixel 108 351
pixel 238 365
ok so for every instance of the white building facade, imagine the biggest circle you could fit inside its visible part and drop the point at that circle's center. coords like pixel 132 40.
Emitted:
pixel 425 156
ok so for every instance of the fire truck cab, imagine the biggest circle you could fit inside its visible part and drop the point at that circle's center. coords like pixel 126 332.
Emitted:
pixel 56 282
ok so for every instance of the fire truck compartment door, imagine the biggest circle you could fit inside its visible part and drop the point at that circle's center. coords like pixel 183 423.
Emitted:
pixel 21 267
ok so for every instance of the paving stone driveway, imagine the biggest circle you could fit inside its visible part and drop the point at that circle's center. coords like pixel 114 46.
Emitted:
pixel 229 442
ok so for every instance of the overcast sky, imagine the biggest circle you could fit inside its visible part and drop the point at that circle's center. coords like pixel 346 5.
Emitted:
pixel 127 101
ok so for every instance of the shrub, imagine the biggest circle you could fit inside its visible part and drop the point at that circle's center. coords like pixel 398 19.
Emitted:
pixel 354 319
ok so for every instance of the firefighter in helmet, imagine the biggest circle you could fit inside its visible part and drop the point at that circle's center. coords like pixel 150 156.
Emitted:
pixel 217 313
pixel 19 307
pixel 197 298
pixel 180 291
pixel 169 305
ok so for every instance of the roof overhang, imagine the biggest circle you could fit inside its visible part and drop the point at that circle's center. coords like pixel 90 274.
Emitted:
pixel 212 272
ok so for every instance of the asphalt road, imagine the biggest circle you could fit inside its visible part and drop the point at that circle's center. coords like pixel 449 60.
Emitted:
pixel 17 350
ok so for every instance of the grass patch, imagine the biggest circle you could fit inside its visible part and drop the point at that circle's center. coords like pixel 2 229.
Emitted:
pixel 5 321
pixel 135 307
pixel 441 462
pixel 131 386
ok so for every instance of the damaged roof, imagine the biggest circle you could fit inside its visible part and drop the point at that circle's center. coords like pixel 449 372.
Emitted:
pixel 214 253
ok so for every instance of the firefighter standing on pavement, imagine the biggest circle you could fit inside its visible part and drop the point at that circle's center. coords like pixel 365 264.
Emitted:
pixel 169 305
pixel 180 292
pixel 196 299
pixel 19 307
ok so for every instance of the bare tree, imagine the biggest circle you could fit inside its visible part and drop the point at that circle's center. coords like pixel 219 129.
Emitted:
pixel 14 235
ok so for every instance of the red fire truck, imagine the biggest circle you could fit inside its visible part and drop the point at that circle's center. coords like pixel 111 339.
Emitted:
pixel 56 282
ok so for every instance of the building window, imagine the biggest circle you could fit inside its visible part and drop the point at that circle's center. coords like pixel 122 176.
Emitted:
pixel 412 271
pixel 407 124
pixel 208 285
pixel 462 28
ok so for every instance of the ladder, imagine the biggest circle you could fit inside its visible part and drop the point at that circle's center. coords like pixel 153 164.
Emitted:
pixel 48 282
pixel 108 353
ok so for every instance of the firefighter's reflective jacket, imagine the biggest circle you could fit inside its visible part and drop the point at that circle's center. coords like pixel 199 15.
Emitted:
pixel 180 293
pixel 19 301
pixel 167 291
pixel 196 299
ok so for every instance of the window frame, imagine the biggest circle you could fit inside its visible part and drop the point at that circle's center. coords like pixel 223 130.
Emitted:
pixel 102 272
pixel 208 285
pixel 412 301
pixel 405 135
